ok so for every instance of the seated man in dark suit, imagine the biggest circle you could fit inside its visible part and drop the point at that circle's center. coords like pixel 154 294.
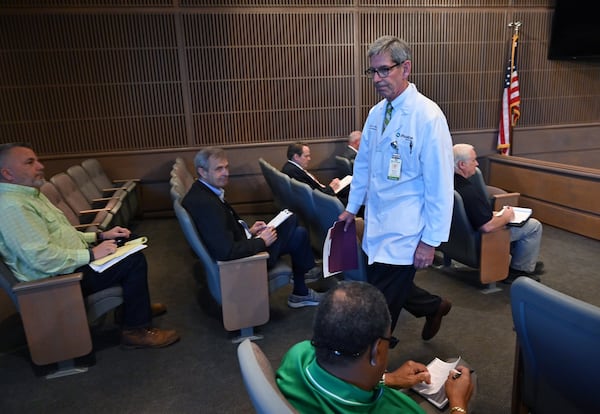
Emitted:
pixel 230 238
pixel 298 155
pixel 353 144
pixel 525 240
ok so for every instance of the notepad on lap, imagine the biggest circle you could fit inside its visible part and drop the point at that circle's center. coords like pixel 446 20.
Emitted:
pixel 129 248
pixel 435 392
pixel 522 214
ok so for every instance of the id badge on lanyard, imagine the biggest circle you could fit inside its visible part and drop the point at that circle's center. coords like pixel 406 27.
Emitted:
pixel 395 167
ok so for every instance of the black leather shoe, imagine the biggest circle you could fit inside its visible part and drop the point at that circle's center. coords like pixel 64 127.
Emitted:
pixel 514 273
pixel 539 268
pixel 434 322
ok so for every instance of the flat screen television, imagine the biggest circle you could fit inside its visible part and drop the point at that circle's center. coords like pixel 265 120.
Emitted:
pixel 575 32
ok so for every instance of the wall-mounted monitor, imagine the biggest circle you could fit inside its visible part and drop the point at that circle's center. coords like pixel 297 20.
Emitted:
pixel 575 32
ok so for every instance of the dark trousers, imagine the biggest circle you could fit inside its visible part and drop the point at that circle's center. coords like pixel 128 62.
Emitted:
pixel 293 240
pixel 131 273
pixel 396 282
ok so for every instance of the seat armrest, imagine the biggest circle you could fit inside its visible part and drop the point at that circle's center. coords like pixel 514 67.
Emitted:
pixel 257 256
pixel 54 318
pixel 506 199
pixel 48 282
pixel 94 210
pixel 244 291
pixel 124 180
pixel 85 226
pixel 495 255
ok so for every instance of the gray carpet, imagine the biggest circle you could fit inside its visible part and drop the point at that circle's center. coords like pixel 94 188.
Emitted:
pixel 201 373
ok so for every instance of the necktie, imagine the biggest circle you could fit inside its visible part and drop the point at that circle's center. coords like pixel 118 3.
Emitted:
pixel 388 115
pixel 314 179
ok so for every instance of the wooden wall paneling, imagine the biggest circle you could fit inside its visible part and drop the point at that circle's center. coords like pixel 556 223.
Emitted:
pixel 114 78
pixel 561 195
pixel 568 219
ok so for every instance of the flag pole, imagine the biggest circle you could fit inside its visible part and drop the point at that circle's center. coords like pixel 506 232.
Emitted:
pixel 515 37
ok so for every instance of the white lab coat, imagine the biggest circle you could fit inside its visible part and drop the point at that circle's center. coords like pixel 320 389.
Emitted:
pixel 418 206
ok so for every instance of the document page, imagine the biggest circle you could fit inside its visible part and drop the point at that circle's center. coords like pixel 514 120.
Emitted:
pixel 522 214
pixel 344 182
pixel 279 218
pixel 435 392
pixel 132 246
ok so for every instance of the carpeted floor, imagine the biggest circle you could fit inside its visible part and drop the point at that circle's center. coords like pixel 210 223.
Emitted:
pixel 201 373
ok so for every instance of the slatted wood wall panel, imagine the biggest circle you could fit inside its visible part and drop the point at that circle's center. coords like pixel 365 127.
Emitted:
pixel 250 85
pixel 91 83
pixel 101 76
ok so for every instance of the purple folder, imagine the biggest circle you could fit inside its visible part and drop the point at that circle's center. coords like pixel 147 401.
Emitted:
pixel 343 248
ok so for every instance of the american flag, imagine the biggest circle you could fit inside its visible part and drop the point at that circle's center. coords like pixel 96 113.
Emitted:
pixel 511 101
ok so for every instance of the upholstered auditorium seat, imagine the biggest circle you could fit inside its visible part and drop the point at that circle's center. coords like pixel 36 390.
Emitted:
pixel 241 287
pixel 91 221
pixel 56 317
pixel 77 201
pixel 488 252
pixel 557 361
pixel 102 181
pixel 93 195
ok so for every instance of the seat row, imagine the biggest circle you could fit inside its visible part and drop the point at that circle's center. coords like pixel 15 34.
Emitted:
pixel 317 211
pixel 90 200
pixel 239 287
pixel 488 252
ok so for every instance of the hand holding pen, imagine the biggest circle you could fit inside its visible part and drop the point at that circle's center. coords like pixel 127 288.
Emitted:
pixel 459 387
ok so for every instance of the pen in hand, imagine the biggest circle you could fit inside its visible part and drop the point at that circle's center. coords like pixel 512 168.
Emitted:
pixel 456 373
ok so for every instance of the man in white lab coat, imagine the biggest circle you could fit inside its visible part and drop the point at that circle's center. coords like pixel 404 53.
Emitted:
pixel 403 175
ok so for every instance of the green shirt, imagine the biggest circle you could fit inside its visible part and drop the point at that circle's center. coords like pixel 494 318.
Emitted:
pixel 311 389
pixel 36 239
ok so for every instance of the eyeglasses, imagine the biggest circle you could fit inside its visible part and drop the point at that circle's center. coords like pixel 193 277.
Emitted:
pixel 392 340
pixel 383 71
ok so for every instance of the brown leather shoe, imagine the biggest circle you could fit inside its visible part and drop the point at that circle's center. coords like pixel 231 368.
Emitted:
pixel 433 322
pixel 147 338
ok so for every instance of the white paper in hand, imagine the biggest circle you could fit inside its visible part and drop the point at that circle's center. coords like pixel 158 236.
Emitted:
pixel 280 218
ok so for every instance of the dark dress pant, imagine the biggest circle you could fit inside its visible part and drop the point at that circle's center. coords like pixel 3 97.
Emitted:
pixel 131 273
pixel 396 282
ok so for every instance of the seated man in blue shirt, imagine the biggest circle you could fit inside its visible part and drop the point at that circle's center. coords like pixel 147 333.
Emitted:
pixel 227 237
pixel 343 368
pixel 37 241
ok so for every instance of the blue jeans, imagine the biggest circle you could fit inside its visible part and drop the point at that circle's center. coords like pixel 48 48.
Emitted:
pixel 525 245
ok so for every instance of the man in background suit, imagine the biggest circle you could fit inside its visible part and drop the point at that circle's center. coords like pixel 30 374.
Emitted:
pixel 353 144
pixel 227 237
pixel 298 155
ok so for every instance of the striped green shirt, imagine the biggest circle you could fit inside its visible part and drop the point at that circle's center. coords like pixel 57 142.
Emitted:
pixel 311 389
pixel 36 239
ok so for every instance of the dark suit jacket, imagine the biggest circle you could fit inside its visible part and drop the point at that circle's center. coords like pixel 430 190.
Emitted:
pixel 218 225
pixel 349 153
pixel 299 174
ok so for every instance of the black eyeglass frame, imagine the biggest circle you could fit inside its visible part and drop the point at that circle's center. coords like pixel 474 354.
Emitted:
pixel 383 71
pixel 392 340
